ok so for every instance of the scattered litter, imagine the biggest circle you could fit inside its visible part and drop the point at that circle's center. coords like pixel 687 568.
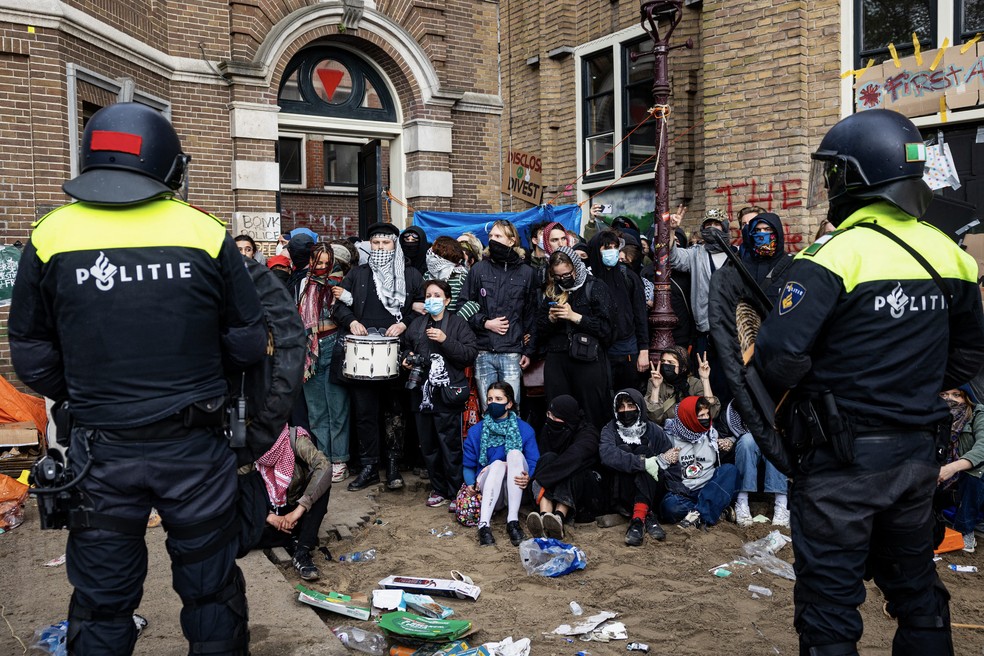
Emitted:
pixel 358 557
pixel 426 606
pixel 760 519
pixel 967 569
pixel 379 522
pixel 446 533
pixel 464 578
pixel 637 646
pixel 388 600
pixel 762 553
pixel 613 631
pixel 586 625
pixel 51 639
pixel 550 557
pixel 441 587
pixel 56 562
pixel 507 647
pixel 576 609
pixel 758 591
pixel 722 573
pixel 424 628
pixel 360 640
pixel 937 559
pixel 335 602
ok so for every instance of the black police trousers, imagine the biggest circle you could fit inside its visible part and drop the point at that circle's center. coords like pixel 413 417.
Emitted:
pixel 189 476
pixel 868 519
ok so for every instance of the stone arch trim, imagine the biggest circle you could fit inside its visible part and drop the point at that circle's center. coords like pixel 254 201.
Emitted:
pixel 305 25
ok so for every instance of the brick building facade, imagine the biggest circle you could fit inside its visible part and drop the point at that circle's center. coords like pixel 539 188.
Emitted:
pixel 443 90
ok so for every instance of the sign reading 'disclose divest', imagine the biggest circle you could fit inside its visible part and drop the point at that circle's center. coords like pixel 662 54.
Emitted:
pixel 261 226
pixel 522 176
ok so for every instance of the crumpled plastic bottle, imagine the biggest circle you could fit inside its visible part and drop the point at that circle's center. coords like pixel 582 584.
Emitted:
pixel 358 556
pixel 361 640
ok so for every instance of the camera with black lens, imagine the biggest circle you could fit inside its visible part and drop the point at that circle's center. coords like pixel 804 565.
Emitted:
pixel 419 364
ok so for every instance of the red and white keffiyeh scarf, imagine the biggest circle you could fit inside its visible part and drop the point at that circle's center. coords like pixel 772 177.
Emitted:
pixel 276 467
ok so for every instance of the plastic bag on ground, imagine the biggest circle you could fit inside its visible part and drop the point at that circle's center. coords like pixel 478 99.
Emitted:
pixel 550 557
pixel 762 553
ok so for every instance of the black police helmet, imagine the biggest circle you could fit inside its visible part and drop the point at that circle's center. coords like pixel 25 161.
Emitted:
pixel 130 153
pixel 876 154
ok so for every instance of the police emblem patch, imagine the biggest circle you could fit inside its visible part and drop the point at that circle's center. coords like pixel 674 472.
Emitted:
pixel 791 295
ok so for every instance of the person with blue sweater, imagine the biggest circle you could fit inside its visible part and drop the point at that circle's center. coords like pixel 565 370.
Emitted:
pixel 499 454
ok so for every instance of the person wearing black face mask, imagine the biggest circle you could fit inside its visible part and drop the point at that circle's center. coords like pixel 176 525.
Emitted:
pixel 671 382
pixel 960 481
pixel 576 312
pixel 414 243
pixel 628 448
pixel 504 289
pixel 565 479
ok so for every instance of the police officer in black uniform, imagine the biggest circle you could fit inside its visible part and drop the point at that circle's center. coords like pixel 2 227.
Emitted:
pixel 128 306
pixel 867 335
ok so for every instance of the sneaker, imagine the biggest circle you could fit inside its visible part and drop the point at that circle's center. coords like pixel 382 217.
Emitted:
pixel 553 526
pixel 435 500
pixel 692 520
pixel 485 538
pixel 970 542
pixel 653 528
pixel 452 507
pixel 339 472
pixel 633 536
pixel 534 524
pixel 305 567
pixel 728 515
pixel 743 516
pixel 516 534
pixel 780 516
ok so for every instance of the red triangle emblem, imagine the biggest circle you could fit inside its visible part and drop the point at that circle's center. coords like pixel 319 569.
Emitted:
pixel 330 78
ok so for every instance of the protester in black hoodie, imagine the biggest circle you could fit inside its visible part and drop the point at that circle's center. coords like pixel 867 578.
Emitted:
pixel 414 243
pixel 628 356
pixel 299 249
pixel 763 253
pixel 566 477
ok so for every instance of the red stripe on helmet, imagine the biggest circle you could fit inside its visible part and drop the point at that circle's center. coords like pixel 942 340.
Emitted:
pixel 120 142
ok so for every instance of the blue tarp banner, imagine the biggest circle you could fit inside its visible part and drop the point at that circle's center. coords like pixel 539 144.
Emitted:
pixel 453 224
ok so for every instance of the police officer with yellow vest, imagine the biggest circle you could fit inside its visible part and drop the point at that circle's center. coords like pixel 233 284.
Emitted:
pixel 128 306
pixel 866 333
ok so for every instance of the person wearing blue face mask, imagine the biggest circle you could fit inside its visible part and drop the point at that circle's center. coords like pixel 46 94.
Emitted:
pixel 447 345
pixel 628 356
pixel 500 453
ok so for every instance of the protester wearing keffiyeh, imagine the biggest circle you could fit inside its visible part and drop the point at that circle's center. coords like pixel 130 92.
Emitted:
pixel 387 272
pixel 276 467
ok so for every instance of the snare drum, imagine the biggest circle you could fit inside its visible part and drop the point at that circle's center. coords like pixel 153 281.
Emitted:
pixel 371 357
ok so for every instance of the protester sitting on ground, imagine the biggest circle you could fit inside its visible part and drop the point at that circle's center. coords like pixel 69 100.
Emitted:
pixel 297 477
pixel 499 454
pixel 699 486
pixel 565 479
pixel 628 446
pixel 574 325
pixel 960 477
pixel 748 457
pixel 327 401
pixel 671 381
pixel 447 344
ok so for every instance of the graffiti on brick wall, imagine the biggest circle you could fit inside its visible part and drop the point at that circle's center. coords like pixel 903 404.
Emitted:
pixel 773 196
pixel 326 225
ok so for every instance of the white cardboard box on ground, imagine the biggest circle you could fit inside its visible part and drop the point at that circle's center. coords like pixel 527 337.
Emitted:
pixel 442 587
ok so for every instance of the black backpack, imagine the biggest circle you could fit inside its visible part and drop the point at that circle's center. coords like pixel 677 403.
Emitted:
pixel 272 385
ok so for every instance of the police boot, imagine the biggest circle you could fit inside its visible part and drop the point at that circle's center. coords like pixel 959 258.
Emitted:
pixel 393 479
pixel 369 475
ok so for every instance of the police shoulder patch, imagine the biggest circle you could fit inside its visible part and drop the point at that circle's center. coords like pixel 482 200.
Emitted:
pixel 815 247
pixel 792 293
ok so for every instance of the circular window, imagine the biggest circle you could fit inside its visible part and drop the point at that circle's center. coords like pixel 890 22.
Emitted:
pixel 332 81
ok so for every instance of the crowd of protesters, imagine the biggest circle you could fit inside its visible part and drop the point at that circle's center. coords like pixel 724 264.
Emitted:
pixel 532 377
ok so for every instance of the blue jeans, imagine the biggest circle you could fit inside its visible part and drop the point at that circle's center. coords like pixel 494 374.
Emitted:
pixel 970 494
pixel 711 500
pixel 328 406
pixel 747 458
pixel 494 367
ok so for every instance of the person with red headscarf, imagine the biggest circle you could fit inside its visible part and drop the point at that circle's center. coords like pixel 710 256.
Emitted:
pixel 700 487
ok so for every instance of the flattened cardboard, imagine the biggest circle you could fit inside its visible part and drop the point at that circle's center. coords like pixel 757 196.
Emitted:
pixel 963 92
pixel 907 89
pixel 868 89
pixel 335 602
pixel 18 433
pixel 441 587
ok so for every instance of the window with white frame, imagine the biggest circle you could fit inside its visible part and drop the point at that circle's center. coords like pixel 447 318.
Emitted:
pixel 878 23
pixel 615 94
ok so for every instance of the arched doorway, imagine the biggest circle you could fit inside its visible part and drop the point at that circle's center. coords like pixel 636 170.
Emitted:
pixel 339 140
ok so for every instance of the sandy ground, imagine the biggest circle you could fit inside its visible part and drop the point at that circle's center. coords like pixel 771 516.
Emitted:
pixel 662 591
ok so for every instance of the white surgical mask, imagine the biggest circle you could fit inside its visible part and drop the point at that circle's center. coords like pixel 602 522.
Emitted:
pixel 433 305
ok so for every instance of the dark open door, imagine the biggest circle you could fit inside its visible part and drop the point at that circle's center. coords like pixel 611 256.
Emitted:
pixel 370 186
pixel 968 157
